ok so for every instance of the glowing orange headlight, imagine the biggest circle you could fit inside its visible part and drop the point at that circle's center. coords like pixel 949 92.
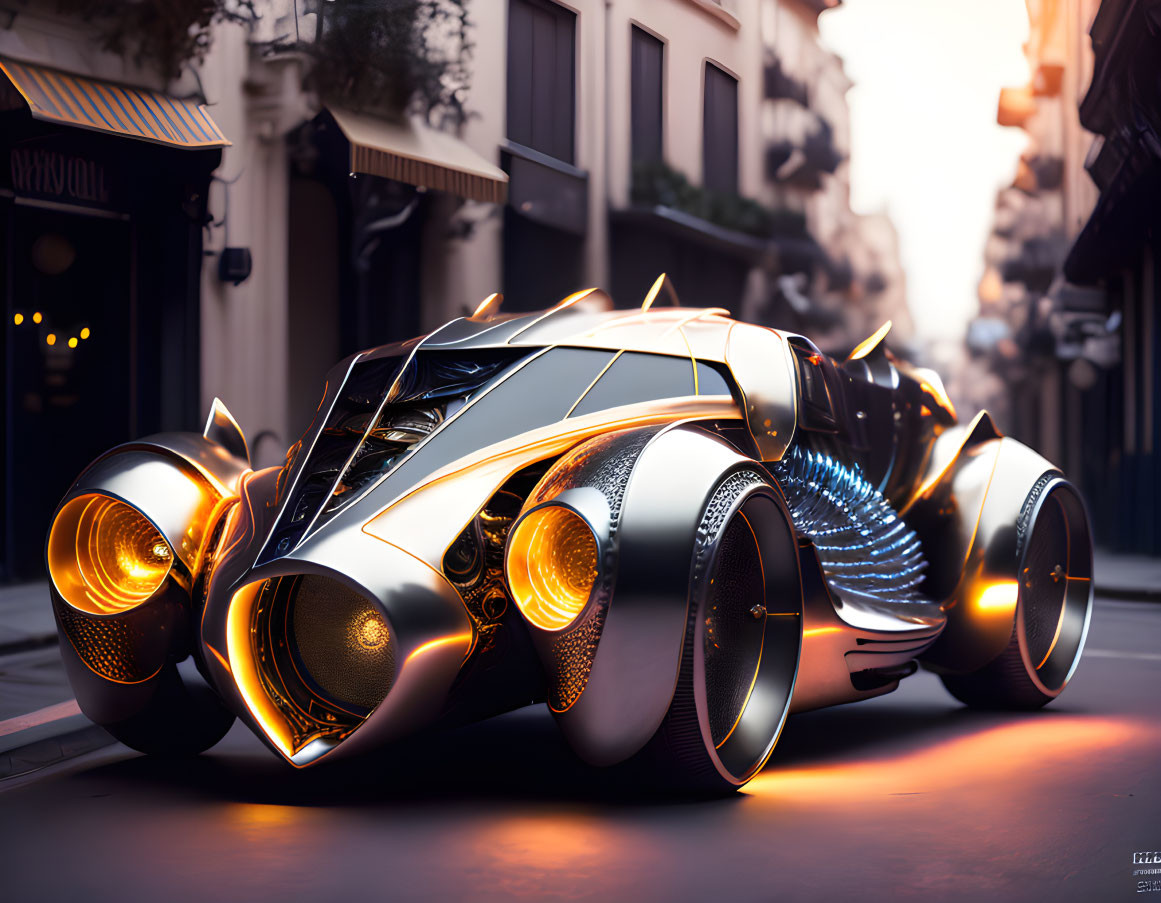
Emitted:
pixel 105 556
pixel 551 566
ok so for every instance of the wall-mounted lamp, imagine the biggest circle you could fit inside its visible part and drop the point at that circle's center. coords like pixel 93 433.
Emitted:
pixel 234 265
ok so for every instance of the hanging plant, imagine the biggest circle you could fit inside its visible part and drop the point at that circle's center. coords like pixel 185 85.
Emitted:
pixel 656 183
pixel 165 34
pixel 392 57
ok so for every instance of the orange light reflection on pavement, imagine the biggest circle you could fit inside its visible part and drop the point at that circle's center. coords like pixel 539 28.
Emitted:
pixel 263 815
pixel 527 855
pixel 990 764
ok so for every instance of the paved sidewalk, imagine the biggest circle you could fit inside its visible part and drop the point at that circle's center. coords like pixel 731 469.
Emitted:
pixel 26 620
pixel 1134 577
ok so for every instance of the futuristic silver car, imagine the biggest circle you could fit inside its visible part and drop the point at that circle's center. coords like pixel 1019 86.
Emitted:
pixel 673 527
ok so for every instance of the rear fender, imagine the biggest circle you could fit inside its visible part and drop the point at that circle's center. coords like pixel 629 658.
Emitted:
pixel 968 516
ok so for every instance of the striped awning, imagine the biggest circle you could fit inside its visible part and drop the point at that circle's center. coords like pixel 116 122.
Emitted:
pixel 87 103
pixel 418 155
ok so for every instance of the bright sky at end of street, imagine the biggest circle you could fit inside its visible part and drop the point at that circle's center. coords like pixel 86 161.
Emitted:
pixel 925 145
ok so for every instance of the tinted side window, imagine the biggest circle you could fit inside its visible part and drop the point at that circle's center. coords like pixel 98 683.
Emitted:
pixel 637 377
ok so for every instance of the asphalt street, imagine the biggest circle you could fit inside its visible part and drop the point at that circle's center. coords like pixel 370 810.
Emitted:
pixel 906 797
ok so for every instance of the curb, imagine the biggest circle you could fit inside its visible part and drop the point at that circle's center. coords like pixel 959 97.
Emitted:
pixel 26 644
pixel 74 740
pixel 1128 594
pixel 47 737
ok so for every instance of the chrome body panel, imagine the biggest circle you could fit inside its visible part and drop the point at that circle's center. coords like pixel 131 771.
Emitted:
pixel 657 468
pixel 635 667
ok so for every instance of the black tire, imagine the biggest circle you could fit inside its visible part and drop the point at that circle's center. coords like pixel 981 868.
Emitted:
pixel 744 579
pixel 1052 610
pixel 185 717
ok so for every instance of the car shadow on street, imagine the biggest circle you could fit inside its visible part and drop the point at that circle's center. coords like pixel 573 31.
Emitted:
pixel 522 757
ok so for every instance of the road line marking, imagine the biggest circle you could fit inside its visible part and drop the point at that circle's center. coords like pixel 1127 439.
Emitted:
pixel 1112 653
pixel 56 712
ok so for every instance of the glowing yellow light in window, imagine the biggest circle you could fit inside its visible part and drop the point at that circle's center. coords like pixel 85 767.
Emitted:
pixel 73 342
pixel 36 317
pixel 85 333
pixel 18 319
pixel 552 566
pixel 104 556
pixel 50 338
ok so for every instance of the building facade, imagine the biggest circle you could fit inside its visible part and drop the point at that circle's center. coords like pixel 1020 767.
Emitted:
pixel 606 141
pixel 1067 301
pixel 1112 424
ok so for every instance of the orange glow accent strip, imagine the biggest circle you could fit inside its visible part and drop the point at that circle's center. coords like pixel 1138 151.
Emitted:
pixel 998 596
pixel 570 300
pixel 692 359
pixel 939 393
pixel 488 307
pixel 465 638
pixel 596 379
pixel 867 345
pixel 820 631
pixel 550 440
pixel 241 663
pixel 654 291
pixel 221 659
pixel 1059 623
pixel 761 647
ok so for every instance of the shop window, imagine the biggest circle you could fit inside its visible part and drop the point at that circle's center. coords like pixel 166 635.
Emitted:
pixel 542 77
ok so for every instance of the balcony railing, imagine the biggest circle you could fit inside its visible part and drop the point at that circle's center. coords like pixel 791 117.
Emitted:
pixel 780 85
pixel 802 160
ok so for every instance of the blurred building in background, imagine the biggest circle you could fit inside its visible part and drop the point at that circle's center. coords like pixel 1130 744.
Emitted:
pixel 1068 303
pixel 853 274
pixel 226 199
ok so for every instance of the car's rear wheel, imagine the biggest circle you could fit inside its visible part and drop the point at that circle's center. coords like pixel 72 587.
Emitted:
pixel 1054 585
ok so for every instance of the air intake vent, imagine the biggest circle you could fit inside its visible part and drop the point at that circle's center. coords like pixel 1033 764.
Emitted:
pixel 343 642
pixel 862 543
pixel 325 656
pixel 380 414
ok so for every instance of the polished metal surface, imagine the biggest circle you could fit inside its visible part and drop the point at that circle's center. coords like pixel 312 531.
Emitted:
pixel 636 664
pixel 222 429
pixel 898 537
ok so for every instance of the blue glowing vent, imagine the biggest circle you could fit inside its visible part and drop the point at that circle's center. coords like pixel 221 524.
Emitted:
pixel 862 543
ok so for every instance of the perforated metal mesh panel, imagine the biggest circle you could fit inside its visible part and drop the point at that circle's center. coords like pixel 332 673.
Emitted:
pixel 343 641
pixel 604 464
pixel 107 645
